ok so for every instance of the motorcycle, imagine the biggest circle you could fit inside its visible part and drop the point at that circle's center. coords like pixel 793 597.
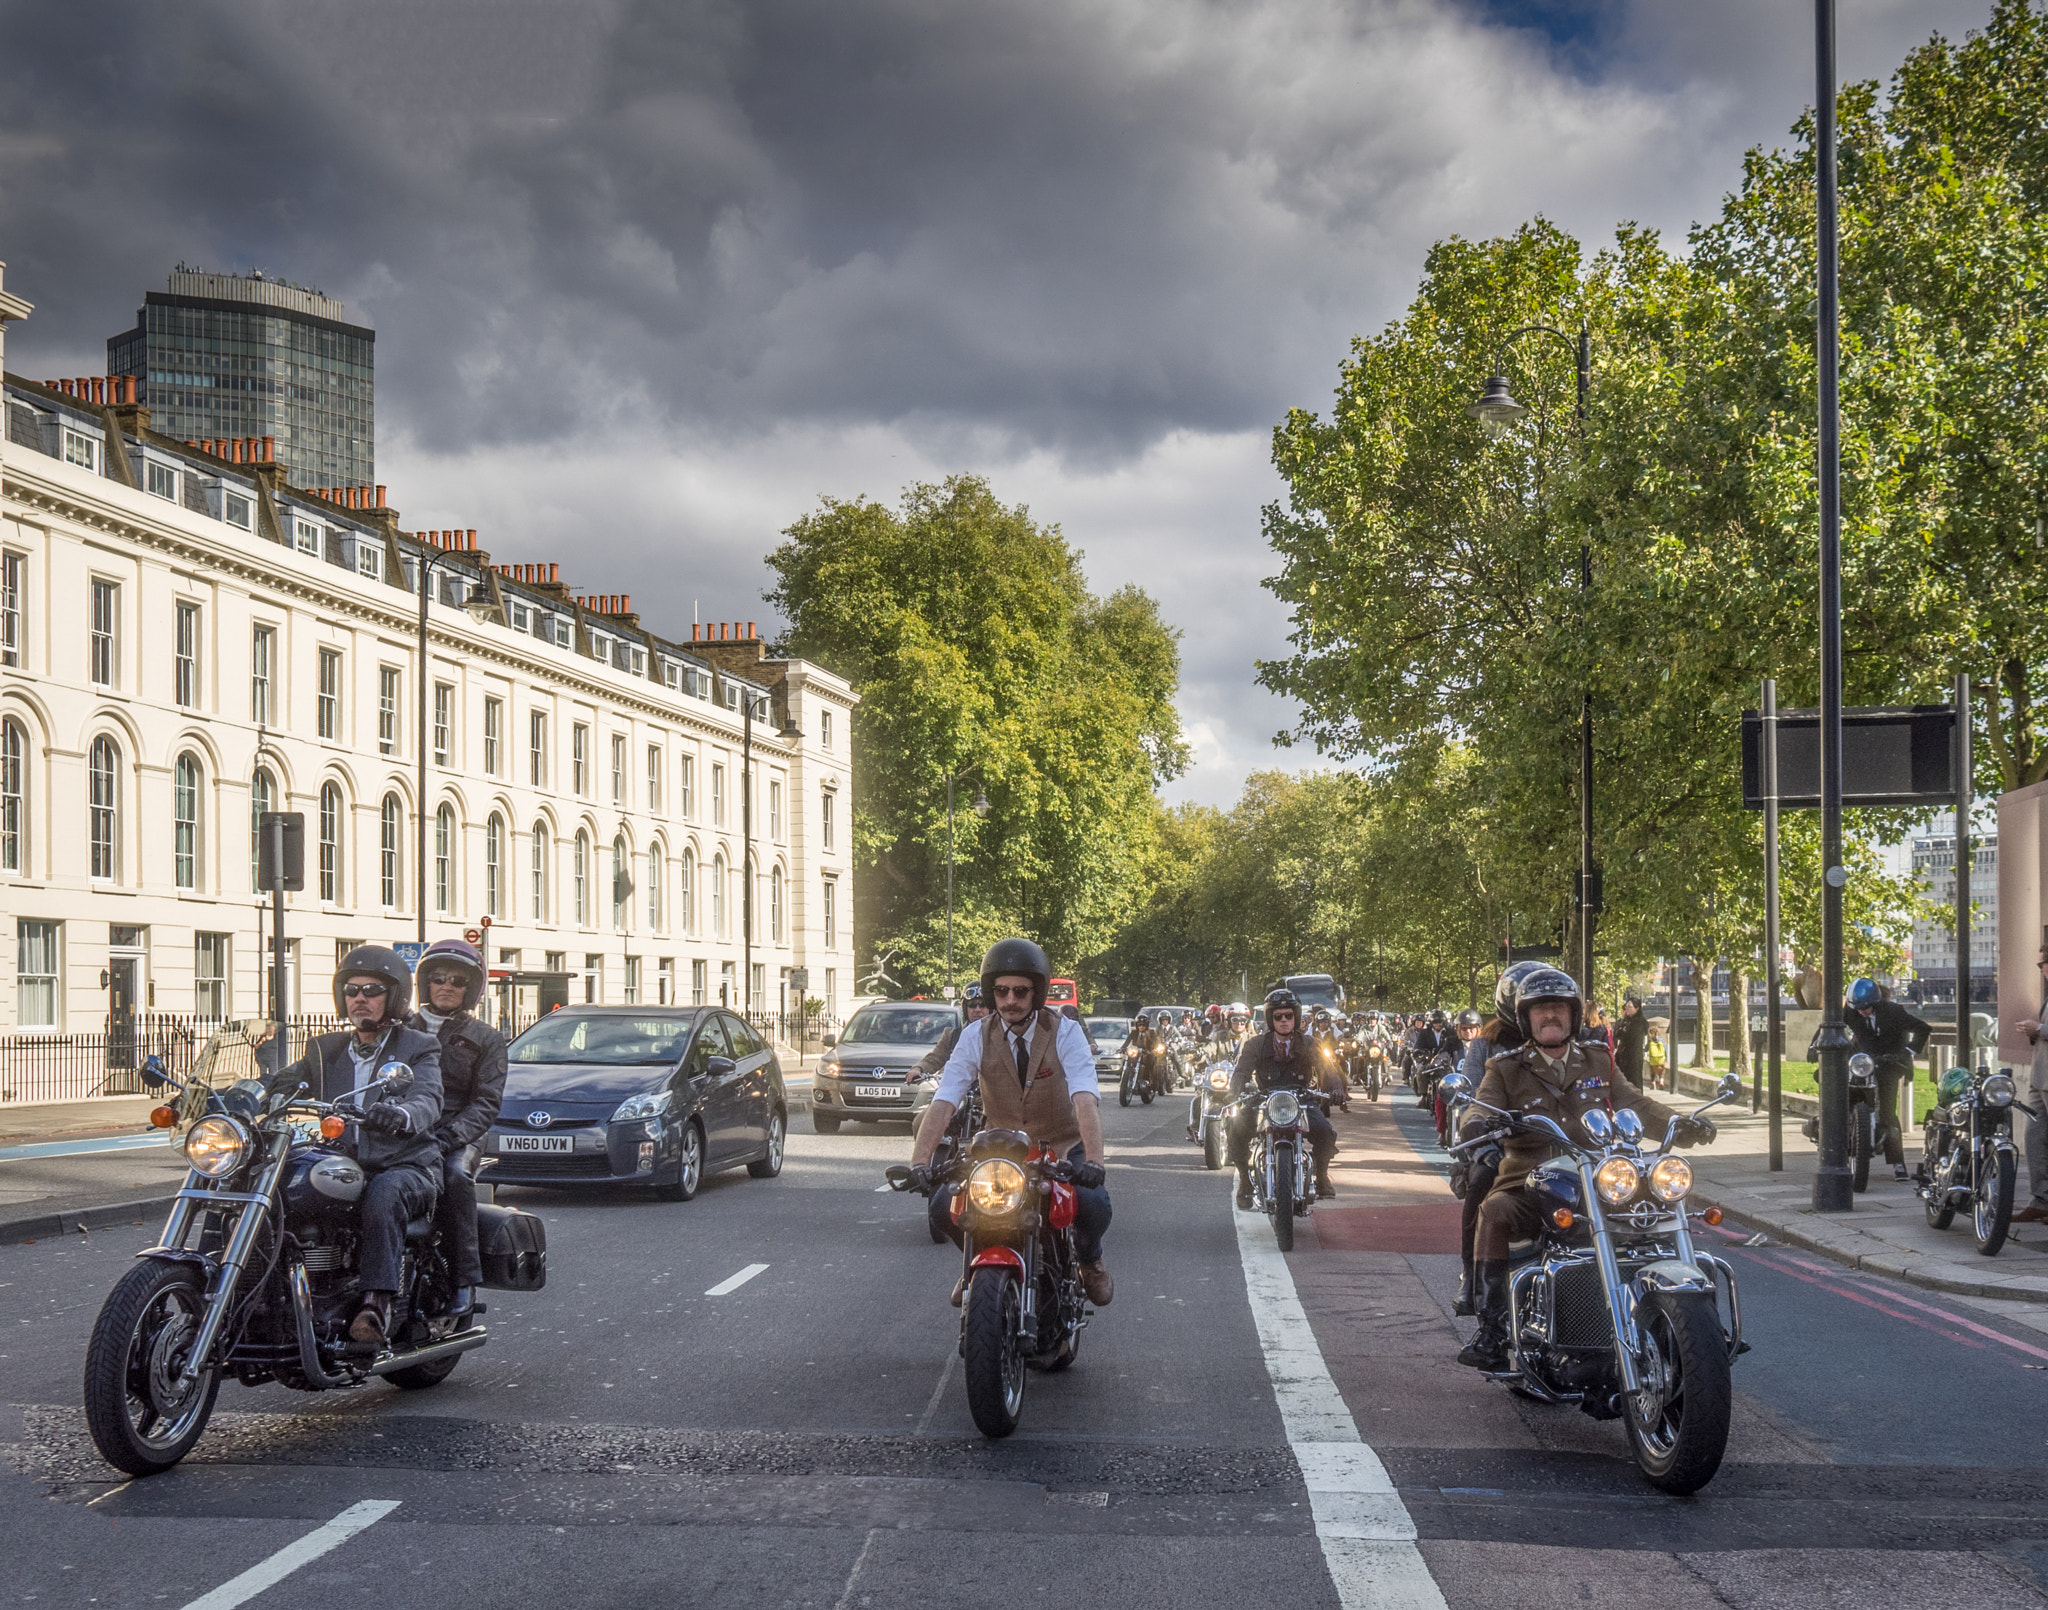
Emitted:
pixel 1613 1308
pixel 1282 1166
pixel 255 1273
pixel 1967 1156
pixel 1207 1112
pixel 952 1146
pixel 1430 1069
pixel 1373 1066
pixel 1866 1138
pixel 1024 1308
pixel 1145 1075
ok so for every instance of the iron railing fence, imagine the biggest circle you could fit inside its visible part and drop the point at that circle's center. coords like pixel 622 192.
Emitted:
pixel 108 1061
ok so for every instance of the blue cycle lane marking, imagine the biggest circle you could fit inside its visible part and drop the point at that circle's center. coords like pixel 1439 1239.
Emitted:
pixel 80 1148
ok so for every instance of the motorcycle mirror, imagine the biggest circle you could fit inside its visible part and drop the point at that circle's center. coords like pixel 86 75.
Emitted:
pixel 1628 1125
pixel 153 1074
pixel 1597 1124
pixel 1454 1087
pixel 397 1078
pixel 1731 1085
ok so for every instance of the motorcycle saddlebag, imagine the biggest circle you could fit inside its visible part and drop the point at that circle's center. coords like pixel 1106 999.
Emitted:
pixel 514 1246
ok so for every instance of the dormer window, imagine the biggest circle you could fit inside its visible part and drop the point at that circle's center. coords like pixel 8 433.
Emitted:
pixel 83 451
pixel 237 510
pixel 163 481
pixel 369 558
pixel 306 536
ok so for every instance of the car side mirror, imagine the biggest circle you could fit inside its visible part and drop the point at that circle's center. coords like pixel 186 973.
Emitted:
pixel 827 1041
pixel 719 1067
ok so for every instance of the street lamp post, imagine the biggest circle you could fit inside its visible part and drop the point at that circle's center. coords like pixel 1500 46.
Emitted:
pixel 479 609
pixel 981 810
pixel 1497 410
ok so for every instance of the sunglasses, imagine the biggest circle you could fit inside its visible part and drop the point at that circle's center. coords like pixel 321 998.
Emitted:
pixel 446 978
pixel 1012 992
pixel 373 990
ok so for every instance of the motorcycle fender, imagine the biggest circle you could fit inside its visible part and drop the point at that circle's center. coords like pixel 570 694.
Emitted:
pixel 201 1261
pixel 999 1258
pixel 1063 1206
pixel 1673 1274
pixel 2004 1144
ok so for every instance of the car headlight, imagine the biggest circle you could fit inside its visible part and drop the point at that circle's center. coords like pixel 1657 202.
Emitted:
pixel 648 1104
pixel 1617 1180
pixel 1998 1091
pixel 216 1146
pixel 1283 1109
pixel 1219 1080
pixel 832 1069
pixel 1671 1179
pixel 996 1185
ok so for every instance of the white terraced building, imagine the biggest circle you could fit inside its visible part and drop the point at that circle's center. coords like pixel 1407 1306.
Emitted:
pixel 186 640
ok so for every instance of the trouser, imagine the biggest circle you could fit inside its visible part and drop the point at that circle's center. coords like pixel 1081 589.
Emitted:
pixel 2036 1143
pixel 1091 1213
pixel 1477 1183
pixel 1889 1074
pixel 456 1217
pixel 393 1196
pixel 1505 1215
pixel 1322 1136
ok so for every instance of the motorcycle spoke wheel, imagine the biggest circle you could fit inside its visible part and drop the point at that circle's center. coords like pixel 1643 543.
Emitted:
pixel 141 1421
pixel 1991 1202
pixel 1678 1421
pixel 1280 1208
pixel 1863 1142
pixel 993 1352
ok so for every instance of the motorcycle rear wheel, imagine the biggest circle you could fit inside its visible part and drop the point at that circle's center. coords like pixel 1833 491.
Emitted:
pixel 1212 1145
pixel 992 1353
pixel 1862 1141
pixel 418 1377
pixel 1940 1214
pixel 1679 1442
pixel 1991 1204
pixel 139 1421
pixel 1281 1207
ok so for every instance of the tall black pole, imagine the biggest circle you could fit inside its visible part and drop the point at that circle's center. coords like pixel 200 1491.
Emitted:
pixel 1833 1190
pixel 1772 1019
pixel 1965 799
pixel 1590 901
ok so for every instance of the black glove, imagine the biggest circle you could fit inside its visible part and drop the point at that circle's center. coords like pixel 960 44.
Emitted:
pixel 1694 1132
pixel 1088 1175
pixel 388 1120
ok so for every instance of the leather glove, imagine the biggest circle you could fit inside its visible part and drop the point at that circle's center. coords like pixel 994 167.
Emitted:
pixel 1089 1175
pixel 1694 1132
pixel 387 1119
pixel 921 1180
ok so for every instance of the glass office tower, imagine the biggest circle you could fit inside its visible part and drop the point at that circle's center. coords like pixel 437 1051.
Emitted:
pixel 241 355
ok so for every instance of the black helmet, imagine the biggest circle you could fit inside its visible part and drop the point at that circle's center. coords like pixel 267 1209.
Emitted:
pixel 1015 957
pixel 1547 984
pixel 1282 997
pixel 378 961
pixel 461 955
pixel 1467 1019
pixel 1504 990
pixel 1439 1018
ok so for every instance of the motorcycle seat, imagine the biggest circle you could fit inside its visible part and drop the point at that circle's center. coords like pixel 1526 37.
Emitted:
pixel 419 1229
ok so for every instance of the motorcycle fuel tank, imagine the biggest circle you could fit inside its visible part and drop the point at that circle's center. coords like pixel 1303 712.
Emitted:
pixel 323 1184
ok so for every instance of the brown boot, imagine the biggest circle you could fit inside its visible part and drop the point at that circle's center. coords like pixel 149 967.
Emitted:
pixel 1096 1283
pixel 373 1319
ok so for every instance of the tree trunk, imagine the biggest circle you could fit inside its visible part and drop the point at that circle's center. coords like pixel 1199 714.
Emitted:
pixel 1703 1032
pixel 1738 1020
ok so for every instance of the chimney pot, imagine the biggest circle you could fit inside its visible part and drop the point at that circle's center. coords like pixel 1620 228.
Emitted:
pixel 750 631
pixel 128 388
pixel 380 497
pixel 270 449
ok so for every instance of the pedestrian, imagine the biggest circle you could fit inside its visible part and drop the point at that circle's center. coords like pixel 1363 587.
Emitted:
pixel 1631 1035
pixel 1598 1030
pixel 2036 1211
pixel 1657 1053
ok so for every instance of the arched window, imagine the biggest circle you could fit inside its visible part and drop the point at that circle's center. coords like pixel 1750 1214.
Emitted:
pixel 581 874
pixel 540 872
pixel 444 860
pixel 13 799
pixel 686 910
pixel 262 797
pixel 622 884
pixel 185 823
pixel 330 842
pixel 494 864
pixel 389 826
pixel 654 887
pixel 775 905
pixel 103 782
pixel 718 895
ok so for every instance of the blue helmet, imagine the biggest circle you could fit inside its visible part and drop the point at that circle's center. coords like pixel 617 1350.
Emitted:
pixel 1864 994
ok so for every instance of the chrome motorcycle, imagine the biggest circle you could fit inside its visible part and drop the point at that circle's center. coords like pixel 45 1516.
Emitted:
pixel 255 1274
pixel 1967 1155
pixel 1148 1072
pixel 1613 1308
pixel 1282 1165
pixel 1208 1112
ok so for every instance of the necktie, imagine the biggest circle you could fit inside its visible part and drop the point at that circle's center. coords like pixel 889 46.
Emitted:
pixel 1023 1062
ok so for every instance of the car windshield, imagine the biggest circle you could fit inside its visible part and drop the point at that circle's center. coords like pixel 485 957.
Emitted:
pixel 1112 1029
pixel 899 1025
pixel 612 1038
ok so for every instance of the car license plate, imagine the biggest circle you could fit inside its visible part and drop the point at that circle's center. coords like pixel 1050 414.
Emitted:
pixel 536 1143
pixel 878 1092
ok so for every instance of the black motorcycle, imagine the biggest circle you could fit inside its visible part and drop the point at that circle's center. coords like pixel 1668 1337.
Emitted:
pixel 1866 1134
pixel 255 1274
pixel 1024 1308
pixel 1967 1156
pixel 1612 1307
pixel 1282 1163
pixel 1147 1073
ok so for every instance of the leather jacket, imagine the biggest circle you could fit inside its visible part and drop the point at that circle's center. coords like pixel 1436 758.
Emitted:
pixel 328 1070
pixel 472 1078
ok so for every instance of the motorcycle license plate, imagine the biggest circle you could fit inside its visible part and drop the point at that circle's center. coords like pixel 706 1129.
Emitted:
pixel 535 1143
pixel 879 1092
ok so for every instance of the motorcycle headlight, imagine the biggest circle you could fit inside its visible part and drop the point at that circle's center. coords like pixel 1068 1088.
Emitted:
pixel 1617 1180
pixel 1219 1080
pixel 1863 1065
pixel 216 1147
pixel 1998 1091
pixel 1671 1179
pixel 996 1186
pixel 1283 1109
pixel 648 1104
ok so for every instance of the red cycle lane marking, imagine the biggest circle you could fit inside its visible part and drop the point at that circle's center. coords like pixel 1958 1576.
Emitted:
pixel 1784 1267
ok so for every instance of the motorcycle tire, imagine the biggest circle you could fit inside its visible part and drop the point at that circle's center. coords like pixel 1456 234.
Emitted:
pixel 1991 1204
pixel 1280 1209
pixel 1146 1095
pixel 1212 1145
pixel 418 1377
pixel 1862 1141
pixel 1680 1448
pixel 1123 1094
pixel 133 1342
pixel 992 1352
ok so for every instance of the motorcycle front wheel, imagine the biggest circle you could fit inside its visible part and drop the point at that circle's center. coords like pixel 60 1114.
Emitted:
pixel 1212 1144
pixel 992 1355
pixel 1991 1202
pixel 1123 1092
pixel 140 1420
pixel 1280 1207
pixel 1863 1140
pixel 1678 1422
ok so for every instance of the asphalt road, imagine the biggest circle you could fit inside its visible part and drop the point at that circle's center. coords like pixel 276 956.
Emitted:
pixel 803 1439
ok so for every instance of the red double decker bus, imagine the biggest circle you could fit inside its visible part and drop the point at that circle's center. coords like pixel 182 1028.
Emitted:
pixel 1062 992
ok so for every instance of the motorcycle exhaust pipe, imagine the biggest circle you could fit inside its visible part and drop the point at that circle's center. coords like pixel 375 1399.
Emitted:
pixel 309 1343
pixel 460 1342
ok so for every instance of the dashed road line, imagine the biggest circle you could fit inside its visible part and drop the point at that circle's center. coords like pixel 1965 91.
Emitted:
pixel 322 1540
pixel 733 1283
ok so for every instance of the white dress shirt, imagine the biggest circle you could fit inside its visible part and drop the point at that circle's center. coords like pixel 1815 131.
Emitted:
pixel 1070 1050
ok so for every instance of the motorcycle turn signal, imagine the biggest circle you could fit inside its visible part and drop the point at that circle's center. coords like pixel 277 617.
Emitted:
pixel 331 1127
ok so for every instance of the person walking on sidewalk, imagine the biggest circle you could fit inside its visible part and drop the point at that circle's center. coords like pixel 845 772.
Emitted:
pixel 2036 1211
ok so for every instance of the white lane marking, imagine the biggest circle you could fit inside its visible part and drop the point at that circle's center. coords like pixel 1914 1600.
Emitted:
pixel 860 1561
pixel 1367 1534
pixel 938 1395
pixel 268 1573
pixel 737 1281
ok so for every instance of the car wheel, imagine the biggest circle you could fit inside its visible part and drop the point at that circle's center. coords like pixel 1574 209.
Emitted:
pixel 769 1163
pixel 689 1167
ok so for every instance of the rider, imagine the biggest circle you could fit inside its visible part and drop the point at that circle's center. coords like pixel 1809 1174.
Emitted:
pixel 1498 1033
pixel 451 977
pixel 1893 1036
pixel 1562 1077
pixel 1281 1058
pixel 935 1058
pixel 1037 1074
pixel 394 1138
pixel 1148 1034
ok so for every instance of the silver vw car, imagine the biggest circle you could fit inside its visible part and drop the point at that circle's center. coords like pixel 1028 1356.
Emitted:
pixel 865 1077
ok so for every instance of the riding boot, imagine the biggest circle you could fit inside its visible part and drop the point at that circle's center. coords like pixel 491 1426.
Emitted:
pixel 1244 1187
pixel 1325 1191
pixel 1464 1307
pixel 1488 1349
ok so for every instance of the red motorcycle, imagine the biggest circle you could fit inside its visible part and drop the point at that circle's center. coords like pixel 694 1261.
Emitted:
pixel 1024 1308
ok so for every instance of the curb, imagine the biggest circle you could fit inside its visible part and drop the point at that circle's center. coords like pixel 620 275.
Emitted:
pixel 72 1221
